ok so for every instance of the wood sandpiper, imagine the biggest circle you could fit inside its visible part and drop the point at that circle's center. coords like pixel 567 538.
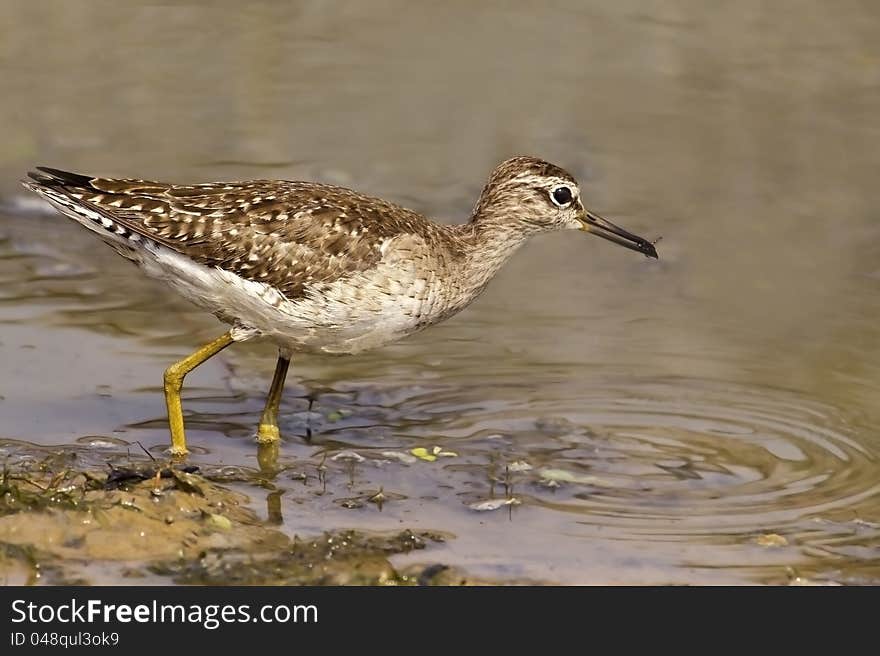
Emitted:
pixel 315 267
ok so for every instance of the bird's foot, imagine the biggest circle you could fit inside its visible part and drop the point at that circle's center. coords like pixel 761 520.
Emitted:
pixel 178 452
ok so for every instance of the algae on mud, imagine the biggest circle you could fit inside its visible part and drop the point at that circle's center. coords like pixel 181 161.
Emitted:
pixel 62 525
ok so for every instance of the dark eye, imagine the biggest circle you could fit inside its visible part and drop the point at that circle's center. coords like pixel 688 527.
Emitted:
pixel 561 196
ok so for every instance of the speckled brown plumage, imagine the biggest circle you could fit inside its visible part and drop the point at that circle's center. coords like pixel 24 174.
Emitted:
pixel 288 234
pixel 324 258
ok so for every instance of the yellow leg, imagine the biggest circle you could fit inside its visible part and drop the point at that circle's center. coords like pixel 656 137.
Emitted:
pixel 267 458
pixel 174 382
pixel 268 430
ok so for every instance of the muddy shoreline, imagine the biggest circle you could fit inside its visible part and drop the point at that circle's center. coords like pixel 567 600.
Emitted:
pixel 63 519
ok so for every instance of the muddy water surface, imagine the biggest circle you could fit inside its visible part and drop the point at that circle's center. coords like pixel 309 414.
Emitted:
pixel 598 417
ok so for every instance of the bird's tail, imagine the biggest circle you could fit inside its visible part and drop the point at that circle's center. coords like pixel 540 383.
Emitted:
pixel 70 193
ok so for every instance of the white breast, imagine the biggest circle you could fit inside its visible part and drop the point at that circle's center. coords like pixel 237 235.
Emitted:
pixel 361 312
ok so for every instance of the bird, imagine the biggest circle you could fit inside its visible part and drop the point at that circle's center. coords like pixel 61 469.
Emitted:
pixel 313 267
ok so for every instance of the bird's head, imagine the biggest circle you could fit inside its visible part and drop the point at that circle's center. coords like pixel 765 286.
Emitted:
pixel 530 195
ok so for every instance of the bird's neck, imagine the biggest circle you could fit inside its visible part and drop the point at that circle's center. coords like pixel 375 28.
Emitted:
pixel 488 247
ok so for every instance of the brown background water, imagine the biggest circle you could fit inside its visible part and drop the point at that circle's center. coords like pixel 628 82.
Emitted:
pixel 730 390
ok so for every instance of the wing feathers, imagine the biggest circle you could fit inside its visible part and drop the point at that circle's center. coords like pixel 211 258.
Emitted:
pixel 288 234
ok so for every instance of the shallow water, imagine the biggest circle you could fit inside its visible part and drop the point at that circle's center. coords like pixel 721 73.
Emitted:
pixel 655 421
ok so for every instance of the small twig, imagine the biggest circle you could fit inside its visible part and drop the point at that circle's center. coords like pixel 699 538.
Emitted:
pixel 145 450
pixel 22 479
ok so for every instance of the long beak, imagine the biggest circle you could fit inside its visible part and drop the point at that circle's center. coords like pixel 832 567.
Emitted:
pixel 603 228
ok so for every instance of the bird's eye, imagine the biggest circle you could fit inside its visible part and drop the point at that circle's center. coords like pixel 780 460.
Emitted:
pixel 561 196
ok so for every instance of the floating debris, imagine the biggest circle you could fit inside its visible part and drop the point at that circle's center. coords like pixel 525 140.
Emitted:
pixel 351 456
pixel 771 540
pixel 430 456
pixel 494 504
pixel 101 442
